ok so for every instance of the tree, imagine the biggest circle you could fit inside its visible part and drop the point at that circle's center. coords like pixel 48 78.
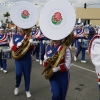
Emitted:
pixel 7 15
pixel 2 21
pixel 6 20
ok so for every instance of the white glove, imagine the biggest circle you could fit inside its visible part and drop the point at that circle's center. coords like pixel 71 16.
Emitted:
pixel 37 41
pixel 34 42
pixel 56 69
pixel 48 42
pixel 31 41
pixel 25 37
pixel 45 57
pixel 19 44
pixel 43 42
pixel 22 41
pixel 11 43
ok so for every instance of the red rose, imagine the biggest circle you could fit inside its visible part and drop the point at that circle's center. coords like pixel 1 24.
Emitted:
pixel 25 13
pixel 57 16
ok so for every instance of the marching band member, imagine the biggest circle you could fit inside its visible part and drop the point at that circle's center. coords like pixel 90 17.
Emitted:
pixel 35 32
pixel 3 43
pixel 96 29
pixel 7 32
pixel 74 41
pixel 24 64
pixel 94 52
pixel 60 80
pixel 13 31
pixel 91 32
pixel 79 36
pixel 43 42
pixel 42 47
pixel 58 57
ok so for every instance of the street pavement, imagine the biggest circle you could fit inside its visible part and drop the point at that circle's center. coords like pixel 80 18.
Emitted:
pixel 83 82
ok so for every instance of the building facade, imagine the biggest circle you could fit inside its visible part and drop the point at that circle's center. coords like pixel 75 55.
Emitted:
pixel 88 15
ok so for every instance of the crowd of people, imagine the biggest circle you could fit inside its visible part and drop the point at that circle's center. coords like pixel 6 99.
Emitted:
pixel 83 34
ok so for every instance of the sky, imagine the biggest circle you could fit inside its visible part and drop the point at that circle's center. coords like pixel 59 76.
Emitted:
pixel 41 3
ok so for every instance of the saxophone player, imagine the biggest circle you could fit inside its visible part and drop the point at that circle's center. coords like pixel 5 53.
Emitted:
pixel 58 57
pixel 24 64
pixel 60 80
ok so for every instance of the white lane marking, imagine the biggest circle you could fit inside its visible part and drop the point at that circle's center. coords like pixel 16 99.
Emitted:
pixel 83 68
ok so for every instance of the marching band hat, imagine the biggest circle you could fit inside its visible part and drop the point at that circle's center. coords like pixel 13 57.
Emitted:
pixel 13 29
pixel 38 28
pixel 34 27
pixel 87 25
pixel 76 26
pixel 90 24
pixel 79 23
pixel 82 24
pixel 1 28
pixel 7 29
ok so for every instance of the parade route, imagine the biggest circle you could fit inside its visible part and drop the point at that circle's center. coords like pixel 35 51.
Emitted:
pixel 83 68
pixel 83 82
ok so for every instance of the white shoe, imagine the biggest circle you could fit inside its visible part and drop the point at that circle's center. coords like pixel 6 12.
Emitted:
pixel 16 91
pixel 86 50
pixel 28 94
pixel 4 71
pixel 1 69
pixel 75 59
pixel 70 47
pixel 83 61
pixel 75 48
pixel 37 59
pixel 41 62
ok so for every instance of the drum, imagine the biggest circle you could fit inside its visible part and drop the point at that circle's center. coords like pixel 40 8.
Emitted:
pixel 36 43
pixel 6 53
pixel 85 43
pixel 86 30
